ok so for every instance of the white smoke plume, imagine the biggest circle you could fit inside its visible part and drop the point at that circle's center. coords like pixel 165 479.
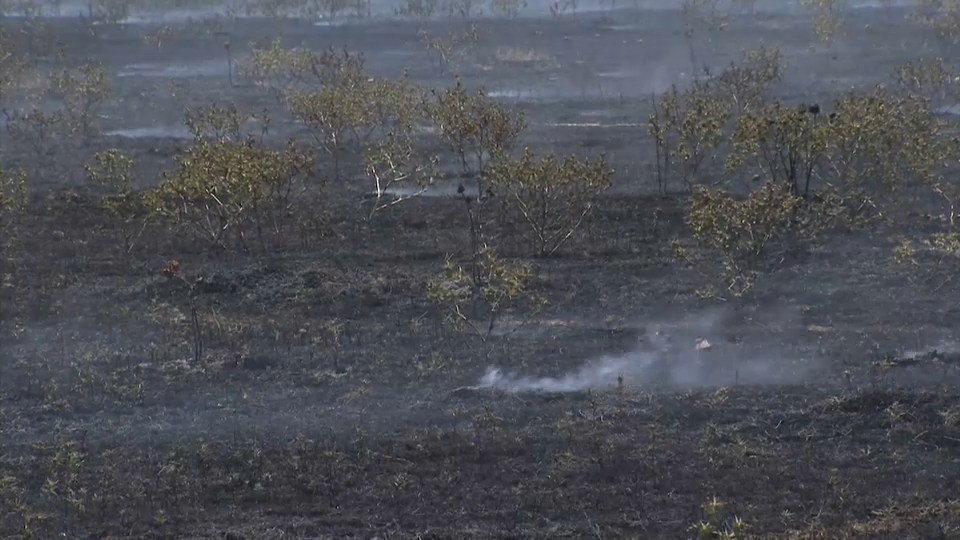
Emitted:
pixel 690 353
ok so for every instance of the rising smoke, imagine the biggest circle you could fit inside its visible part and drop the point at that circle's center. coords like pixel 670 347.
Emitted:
pixel 694 352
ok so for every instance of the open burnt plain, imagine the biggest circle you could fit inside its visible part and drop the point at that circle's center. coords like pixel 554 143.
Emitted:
pixel 310 386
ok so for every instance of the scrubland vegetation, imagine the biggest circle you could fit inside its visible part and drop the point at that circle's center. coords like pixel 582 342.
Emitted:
pixel 271 326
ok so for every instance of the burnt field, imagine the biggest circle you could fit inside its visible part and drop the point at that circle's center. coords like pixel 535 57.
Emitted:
pixel 739 323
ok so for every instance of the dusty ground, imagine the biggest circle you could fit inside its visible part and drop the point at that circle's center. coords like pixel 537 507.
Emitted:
pixel 331 402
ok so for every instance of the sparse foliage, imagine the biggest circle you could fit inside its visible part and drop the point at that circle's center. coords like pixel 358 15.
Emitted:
pixel 942 17
pixel 477 130
pixel 780 143
pixel 827 18
pixel 452 47
pixel 278 69
pixel 688 128
pixel 215 122
pixel 113 171
pixel 83 92
pixel 691 128
pixel 399 171
pixel 749 235
pixel 12 66
pixel 35 128
pixel 552 196
pixel 508 8
pixel 107 11
pixel 418 9
pixel 223 188
pixel 713 524
pixel 475 298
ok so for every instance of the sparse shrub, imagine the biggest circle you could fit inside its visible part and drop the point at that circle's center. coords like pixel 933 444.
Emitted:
pixel 83 93
pixel 278 69
pixel 450 48
pixel 942 17
pixel 13 204
pixel 331 113
pixel 466 9
pixel 688 128
pixel 747 83
pixel 302 79
pixel 223 188
pixel 508 8
pixel 157 38
pixel 700 17
pixel 692 127
pixel 13 194
pixel 827 19
pixel 478 130
pixel 780 143
pixel 474 298
pixel 114 171
pixel 107 11
pixel 396 166
pixel 552 196
pixel 215 122
pixel 35 128
pixel 418 9
pixel 12 65
pixel 927 78
pixel 749 235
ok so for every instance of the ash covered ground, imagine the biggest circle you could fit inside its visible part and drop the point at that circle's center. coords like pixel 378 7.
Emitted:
pixel 332 401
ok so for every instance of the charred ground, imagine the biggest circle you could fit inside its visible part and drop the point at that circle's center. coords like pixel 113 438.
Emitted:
pixel 328 398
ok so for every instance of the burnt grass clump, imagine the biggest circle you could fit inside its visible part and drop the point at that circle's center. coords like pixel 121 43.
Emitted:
pixel 315 390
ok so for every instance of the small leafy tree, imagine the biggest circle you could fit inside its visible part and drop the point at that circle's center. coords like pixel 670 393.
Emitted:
pixel 508 8
pixel 827 18
pixel 331 113
pixel 223 188
pixel 477 130
pixel 345 107
pixel 35 128
pixel 691 128
pixel 688 128
pixel 418 9
pixel 748 236
pixel 215 122
pixel 83 93
pixel 452 47
pixel 476 301
pixel 747 83
pixel 277 69
pixel 107 11
pixel 552 196
pixel 114 172
pixel 399 171
pixel 783 144
pixel 880 143
pixel 12 65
